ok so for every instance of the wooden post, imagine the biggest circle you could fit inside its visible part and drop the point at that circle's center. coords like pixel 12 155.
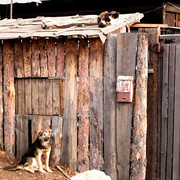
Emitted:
pixel 110 107
pixel 1 98
pixel 126 62
pixel 69 140
pixel 138 166
pixel 96 104
pixel 83 107
pixel 9 99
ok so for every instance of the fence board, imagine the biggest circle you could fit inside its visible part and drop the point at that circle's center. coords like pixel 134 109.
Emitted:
pixel 35 59
pixel 51 58
pixel 41 96
pixel 83 107
pixel 18 57
pixel 49 97
pixel 56 97
pixel 22 139
pixel 60 58
pixel 9 98
pixel 126 61
pixel 110 107
pixel 170 121
pixel 96 104
pixel 176 148
pixel 56 139
pixel 1 98
pixel 69 141
pixel 35 90
pixel 27 57
pixel 43 58
pixel 164 111
pixel 62 94
pixel 27 97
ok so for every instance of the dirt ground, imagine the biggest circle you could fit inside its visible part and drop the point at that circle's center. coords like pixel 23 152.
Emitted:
pixel 23 175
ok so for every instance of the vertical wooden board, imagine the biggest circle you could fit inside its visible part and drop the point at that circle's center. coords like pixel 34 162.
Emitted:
pixel 43 58
pixel 96 104
pixel 126 63
pixel 34 96
pixel 56 139
pixel 51 57
pixel 56 97
pixel 69 141
pixel 60 58
pixel 22 139
pixel 49 97
pixel 170 120
pixel 9 98
pixel 27 57
pixel 62 93
pixel 176 147
pixel 1 98
pixel 27 96
pixel 83 107
pixel 35 59
pixel 20 96
pixel 19 61
pixel 164 111
pixel 110 106
pixel 138 165
pixel 42 96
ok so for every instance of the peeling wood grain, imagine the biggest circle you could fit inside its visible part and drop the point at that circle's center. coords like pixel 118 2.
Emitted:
pixel 9 98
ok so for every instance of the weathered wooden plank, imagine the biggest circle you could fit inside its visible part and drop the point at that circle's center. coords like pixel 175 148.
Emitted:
pixel 170 120
pixel 9 98
pixel 22 139
pixel 164 111
pixel 96 104
pixel 20 97
pixel 35 59
pixel 27 97
pixel 42 96
pixel 138 166
pixel 56 97
pixel 27 57
pixel 43 57
pixel 49 97
pixel 110 106
pixel 51 57
pixel 1 98
pixel 69 141
pixel 83 107
pixel 56 139
pixel 34 95
pixel 19 61
pixel 176 148
pixel 62 93
pixel 126 62
pixel 60 58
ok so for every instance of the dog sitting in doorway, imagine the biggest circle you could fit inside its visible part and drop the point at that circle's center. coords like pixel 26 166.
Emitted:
pixel 107 18
pixel 32 160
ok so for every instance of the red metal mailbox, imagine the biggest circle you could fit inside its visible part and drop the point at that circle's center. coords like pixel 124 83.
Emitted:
pixel 124 88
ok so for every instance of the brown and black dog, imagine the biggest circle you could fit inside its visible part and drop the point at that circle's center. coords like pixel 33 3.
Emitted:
pixel 31 161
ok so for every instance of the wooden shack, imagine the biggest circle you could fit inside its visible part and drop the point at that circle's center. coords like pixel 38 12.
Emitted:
pixel 60 73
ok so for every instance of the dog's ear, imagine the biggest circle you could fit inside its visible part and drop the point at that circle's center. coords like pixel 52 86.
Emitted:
pixel 38 132
pixel 115 14
pixel 50 131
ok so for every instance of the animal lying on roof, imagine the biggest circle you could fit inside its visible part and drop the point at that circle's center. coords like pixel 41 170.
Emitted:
pixel 107 18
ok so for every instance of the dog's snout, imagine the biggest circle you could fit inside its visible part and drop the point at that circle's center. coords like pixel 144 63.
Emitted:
pixel 46 139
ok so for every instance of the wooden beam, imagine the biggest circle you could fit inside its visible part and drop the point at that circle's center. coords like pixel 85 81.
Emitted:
pixel 138 166
pixel 143 25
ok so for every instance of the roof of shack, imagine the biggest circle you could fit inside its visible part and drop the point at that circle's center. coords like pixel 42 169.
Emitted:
pixel 70 26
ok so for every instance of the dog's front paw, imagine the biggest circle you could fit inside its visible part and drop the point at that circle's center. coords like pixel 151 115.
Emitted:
pixel 42 171
pixel 49 170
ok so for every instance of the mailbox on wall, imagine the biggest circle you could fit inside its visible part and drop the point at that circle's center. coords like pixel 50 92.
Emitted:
pixel 124 88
